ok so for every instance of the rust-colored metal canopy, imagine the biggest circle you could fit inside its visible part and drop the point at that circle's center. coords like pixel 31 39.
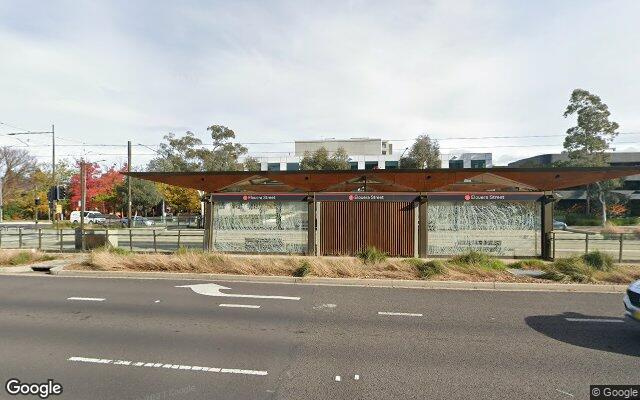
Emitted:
pixel 396 180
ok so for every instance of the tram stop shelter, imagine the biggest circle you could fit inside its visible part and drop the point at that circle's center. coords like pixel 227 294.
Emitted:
pixel 406 213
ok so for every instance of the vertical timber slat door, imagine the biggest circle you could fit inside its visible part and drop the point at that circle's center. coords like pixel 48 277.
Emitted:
pixel 349 226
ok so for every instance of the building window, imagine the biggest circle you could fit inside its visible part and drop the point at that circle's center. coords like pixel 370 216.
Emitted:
pixel 370 165
pixel 293 166
pixel 456 164
pixel 273 166
pixel 390 165
pixel 478 164
pixel 353 165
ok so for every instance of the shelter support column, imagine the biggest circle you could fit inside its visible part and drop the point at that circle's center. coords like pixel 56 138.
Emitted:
pixel 311 229
pixel 422 227
pixel 208 224
pixel 547 224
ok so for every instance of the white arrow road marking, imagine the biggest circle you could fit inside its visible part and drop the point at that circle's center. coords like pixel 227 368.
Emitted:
pixel 211 289
pixel 85 298
pixel 593 320
pixel 168 366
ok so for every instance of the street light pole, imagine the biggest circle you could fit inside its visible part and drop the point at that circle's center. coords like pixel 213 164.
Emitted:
pixel 129 184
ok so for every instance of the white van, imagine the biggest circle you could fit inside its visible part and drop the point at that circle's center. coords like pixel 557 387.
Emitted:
pixel 90 217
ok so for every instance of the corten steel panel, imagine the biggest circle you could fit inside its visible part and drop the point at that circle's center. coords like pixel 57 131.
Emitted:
pixel 350 226
pixel 392 180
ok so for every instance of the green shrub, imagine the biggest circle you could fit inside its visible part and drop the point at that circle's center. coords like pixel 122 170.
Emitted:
pixel 581 220
pixel 303 270
pixel 371 255
pixel 24 257
pixel 531 263
pixel 572 269
pixel 598 260
pixel 113 250
pixel 479 260
pixel 427 269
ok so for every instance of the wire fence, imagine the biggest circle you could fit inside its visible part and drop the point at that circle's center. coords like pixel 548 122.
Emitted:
pixel 621 246
pixel 69 240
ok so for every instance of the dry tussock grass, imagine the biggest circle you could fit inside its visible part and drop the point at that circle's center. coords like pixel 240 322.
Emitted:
pixel 333 267
pixel 330 267
pixel 21 257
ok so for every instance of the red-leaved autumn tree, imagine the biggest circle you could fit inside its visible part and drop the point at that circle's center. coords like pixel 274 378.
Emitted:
pixel 101 193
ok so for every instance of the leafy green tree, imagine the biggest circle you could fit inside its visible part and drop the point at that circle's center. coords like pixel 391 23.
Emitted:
pixel 189 153
pixel 251 164
pixel 320 160
pixel 144 195
pixel 587 142
pixel 424 153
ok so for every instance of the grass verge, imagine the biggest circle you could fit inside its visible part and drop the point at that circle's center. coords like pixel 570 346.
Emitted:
pixel 23 257
pixel 466 267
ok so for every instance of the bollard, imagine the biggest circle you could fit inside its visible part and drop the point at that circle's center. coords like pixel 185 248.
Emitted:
pixel 155 247
pixel 620 252
pixel 586 243
pixel 39 238
pixel 130 240
pixel 61 241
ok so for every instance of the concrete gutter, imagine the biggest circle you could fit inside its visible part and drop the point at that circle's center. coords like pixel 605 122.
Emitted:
pixel 392 283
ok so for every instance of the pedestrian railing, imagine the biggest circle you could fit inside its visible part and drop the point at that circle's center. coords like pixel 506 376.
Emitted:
pixel 621 246
pixel 134 239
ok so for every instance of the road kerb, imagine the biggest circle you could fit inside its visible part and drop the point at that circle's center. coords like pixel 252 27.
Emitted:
pixel 395 283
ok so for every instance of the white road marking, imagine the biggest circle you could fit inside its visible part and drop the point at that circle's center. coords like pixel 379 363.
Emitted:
pixel 85 298
pixel 321 306
pixel 337 378
pixel 399 313
pixel 563 392
pixel 239 305
pixel 593 320
pixel 168 366
pixel 157 301
pixel 356 377
pixel 211 289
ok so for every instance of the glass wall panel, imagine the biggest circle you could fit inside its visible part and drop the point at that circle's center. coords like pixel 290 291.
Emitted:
pixel 501 228
pixel 260 227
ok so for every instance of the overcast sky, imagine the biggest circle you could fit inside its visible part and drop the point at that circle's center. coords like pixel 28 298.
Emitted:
pixel 107 72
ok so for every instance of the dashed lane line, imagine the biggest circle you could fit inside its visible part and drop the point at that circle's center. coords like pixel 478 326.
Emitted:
pixel 593 320
pixel 86 298
pixel 239 305
pixel 399 313
pixel 167 366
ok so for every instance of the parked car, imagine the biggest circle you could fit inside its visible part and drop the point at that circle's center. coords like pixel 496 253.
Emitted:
pixel 90 217
pixel 559 225
pixel 137 221
pixel 632 302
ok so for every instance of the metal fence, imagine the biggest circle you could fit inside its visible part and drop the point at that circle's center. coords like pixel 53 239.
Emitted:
pixel 135 239
pixel 621 246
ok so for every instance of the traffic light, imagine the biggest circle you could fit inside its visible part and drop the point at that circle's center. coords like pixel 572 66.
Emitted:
pixel 62 192
pixel 37 201
pixel 51 194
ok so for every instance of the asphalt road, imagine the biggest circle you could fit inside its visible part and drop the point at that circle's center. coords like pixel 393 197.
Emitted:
pixel 447 344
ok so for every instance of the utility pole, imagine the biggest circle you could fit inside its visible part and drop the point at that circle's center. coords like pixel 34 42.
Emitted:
pixel 1 202
pixel 83 199
pixel 52 206
pixel 129 184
